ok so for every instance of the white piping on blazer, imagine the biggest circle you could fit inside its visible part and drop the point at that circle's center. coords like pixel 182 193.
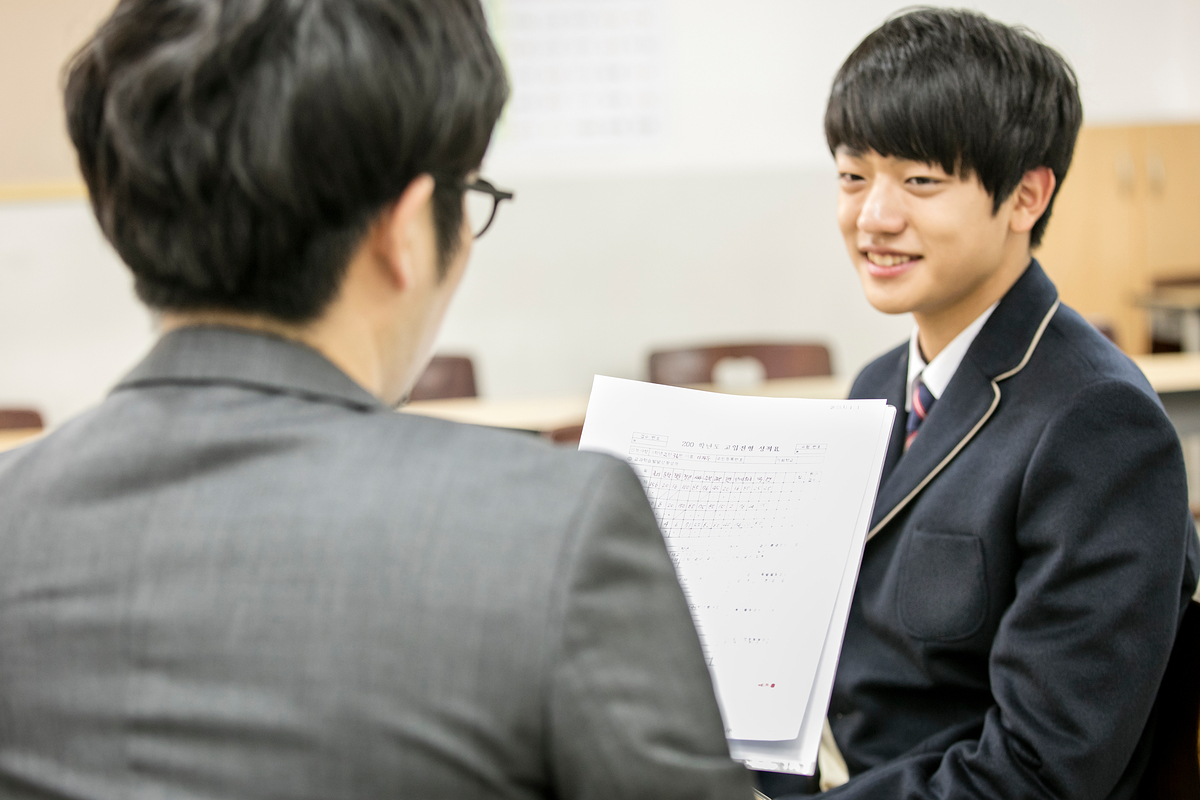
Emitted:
pixel 1037 337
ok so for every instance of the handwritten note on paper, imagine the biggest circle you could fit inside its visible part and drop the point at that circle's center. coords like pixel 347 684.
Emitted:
pixel 761 502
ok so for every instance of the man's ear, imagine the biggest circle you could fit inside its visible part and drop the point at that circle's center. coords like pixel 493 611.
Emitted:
pixel 1032 196
pixel 399 228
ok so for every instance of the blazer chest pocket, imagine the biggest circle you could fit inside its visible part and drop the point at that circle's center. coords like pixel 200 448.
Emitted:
pixel 942 587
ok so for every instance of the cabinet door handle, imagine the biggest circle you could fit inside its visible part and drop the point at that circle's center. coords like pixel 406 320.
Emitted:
pixel 1126 173
pixel 1156 172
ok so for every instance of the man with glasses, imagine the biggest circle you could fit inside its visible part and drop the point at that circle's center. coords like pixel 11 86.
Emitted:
pixel 242 575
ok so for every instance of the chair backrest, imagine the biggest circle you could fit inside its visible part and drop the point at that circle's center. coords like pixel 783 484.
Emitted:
pixel 446 377
pixel 20 418
pixel 695 364
pixel 1174 768
pixel 568 435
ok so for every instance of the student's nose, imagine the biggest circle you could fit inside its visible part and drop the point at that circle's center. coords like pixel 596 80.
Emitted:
pixel 882 210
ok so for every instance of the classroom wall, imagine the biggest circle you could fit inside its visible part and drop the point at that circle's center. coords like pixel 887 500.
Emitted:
pixel 584 277
pixel 746 82
pixel 719 226
pixel 69 324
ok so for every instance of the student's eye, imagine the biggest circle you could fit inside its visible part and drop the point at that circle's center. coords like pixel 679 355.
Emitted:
pixel 849 177
pixel 923 180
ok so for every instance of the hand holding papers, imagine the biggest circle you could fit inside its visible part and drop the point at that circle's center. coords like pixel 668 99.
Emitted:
pixel 764 504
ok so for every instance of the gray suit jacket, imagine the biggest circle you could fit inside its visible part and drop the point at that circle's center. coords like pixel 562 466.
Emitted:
pixel 241 576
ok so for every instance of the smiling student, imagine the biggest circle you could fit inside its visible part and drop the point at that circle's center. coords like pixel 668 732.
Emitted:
pixel 1031 550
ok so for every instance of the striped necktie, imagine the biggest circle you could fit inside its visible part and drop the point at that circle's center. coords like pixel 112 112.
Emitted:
pixel 922 404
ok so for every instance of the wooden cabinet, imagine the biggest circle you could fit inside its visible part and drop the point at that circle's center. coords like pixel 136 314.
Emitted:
pixel 1172 162
pixel 1127 216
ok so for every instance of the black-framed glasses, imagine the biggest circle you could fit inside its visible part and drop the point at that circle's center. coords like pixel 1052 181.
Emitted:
pixel 482 201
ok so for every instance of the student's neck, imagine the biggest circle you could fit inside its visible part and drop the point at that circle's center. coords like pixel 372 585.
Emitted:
pixel 936 330
pixel 350 347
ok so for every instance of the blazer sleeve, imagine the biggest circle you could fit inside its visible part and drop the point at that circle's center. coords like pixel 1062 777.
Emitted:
pixel 631 711
pixel 1104 535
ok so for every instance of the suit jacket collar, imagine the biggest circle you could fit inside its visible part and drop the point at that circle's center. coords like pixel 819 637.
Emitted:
pixel 1001 348
pixel 1007 336
pixel 207 355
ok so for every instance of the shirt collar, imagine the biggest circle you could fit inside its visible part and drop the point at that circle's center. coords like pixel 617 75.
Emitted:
pixel 936 374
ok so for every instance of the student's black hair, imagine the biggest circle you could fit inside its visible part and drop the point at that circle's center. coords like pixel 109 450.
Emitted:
pixel 237 151
pixel 956 89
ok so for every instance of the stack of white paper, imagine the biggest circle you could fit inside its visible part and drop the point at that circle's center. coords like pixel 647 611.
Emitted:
pixel 764 503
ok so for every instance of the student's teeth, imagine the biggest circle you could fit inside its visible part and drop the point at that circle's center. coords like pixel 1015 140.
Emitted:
pixel 885 260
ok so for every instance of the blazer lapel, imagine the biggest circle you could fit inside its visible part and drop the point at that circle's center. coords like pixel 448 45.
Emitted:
pixel 965 403
pixel 1002 348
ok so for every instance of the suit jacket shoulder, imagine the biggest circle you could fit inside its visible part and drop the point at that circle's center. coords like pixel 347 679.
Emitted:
pixel 242 571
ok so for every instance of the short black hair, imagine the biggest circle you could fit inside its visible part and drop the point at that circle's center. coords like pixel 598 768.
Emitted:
pixel 237 151
pixel 957 89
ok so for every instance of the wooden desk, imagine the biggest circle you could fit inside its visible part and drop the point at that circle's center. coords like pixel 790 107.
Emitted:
pixel 540 414
pixel 1171 372
pixel 11 438
pixel 547 414
pixel 1176 378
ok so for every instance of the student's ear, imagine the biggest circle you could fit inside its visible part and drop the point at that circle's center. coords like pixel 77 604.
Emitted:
pixel 1032 196
pixel 398 229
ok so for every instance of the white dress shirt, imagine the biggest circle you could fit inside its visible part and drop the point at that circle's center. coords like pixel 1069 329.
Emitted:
pixel 937 373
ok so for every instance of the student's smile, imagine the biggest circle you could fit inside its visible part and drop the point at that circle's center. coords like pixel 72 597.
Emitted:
pixel 885 263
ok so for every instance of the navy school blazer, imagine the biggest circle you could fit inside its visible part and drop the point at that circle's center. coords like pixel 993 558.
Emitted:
pixel 1029 561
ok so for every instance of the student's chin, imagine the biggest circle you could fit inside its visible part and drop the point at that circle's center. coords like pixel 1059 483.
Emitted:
pixel 885 299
